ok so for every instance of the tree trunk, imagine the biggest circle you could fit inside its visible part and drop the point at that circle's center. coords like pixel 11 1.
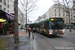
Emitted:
pixel 26 15
pixel 16 37
pixel 69 20
pixel 26 21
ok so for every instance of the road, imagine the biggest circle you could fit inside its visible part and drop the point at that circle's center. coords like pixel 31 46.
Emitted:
pixel 63 42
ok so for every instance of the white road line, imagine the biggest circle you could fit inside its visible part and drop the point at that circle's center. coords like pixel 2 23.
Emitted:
pixel 31 42
pixel 34 43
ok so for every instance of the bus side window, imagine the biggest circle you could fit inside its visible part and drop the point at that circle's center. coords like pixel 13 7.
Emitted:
pixel 40 25
pixel 46 23
pixel 43 25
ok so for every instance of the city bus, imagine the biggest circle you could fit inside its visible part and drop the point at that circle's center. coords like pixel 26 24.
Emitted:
pixel 32 26
pixel 51 26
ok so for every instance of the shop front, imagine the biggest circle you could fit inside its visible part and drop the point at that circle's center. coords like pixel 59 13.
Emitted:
pixel 6 22
pixel 3 20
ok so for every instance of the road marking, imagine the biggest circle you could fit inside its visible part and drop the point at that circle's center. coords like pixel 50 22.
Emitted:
pixel 32 43
pixel 35 48
pixel 6 36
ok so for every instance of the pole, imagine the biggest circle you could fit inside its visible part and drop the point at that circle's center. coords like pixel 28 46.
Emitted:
pixel 68 15
pixel 69 21
pixel 16 37
pixel 26 15
pixel 69 18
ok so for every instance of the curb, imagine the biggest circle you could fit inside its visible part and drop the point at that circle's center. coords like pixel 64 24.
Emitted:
pixel 6 36
pixel 31 41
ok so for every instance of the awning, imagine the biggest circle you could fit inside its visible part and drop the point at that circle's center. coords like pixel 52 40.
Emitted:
pixel 3 15
pixel 6 16
pixel 10 16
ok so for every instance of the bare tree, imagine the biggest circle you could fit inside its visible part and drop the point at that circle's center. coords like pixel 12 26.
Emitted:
pixel 16 37
pixel 67 4
pixel 28 6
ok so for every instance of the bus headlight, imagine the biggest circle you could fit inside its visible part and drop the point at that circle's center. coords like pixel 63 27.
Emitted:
pixel 63 31
pixel 50 33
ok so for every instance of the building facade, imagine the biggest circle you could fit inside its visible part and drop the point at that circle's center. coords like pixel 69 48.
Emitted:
pixel 57 10
pixel 73 10
pixel 4 5
pixel 20 18
pixel 28 21
pixel 20 14
pixel 11 5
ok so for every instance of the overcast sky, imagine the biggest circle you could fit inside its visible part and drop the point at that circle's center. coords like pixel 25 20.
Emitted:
pixel 42 7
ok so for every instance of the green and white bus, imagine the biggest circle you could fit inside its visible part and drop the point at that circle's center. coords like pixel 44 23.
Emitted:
pixel 51 26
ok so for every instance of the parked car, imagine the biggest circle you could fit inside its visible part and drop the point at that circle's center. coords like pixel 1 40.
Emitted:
pixel 22 28
pixel 67 26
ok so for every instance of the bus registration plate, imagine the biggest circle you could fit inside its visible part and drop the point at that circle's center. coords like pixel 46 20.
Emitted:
pixel 55 30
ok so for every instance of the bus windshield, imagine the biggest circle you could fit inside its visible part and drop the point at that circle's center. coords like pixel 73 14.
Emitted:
pixel 56 24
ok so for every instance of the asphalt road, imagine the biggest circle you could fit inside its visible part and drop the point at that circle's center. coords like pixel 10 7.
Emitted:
pixel 63 42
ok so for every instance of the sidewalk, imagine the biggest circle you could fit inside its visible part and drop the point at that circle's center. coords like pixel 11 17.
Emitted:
pixel 72 31
pixel 7 42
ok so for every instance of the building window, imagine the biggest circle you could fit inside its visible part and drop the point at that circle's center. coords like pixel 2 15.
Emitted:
pixel 59 14
pixel 55 14
pixel 0 7
pixel 4 8
pixel 73 4
pixel 0 0
pixel 74 9
pixel 66 22
pixel 63 14
pixel 71 18
pixel 8 6
pixel 63 10
pixel 73 1
pixel 66 18
pixel 66 14
pixel 55 10
pixel 4 2
pixel 8 1
pixel 7 10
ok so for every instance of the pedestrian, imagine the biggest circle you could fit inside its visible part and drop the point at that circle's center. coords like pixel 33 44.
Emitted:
pixel 29 33
pixel 28 28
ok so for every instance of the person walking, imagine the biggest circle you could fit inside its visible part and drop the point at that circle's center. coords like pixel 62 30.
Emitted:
pixel 28 28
